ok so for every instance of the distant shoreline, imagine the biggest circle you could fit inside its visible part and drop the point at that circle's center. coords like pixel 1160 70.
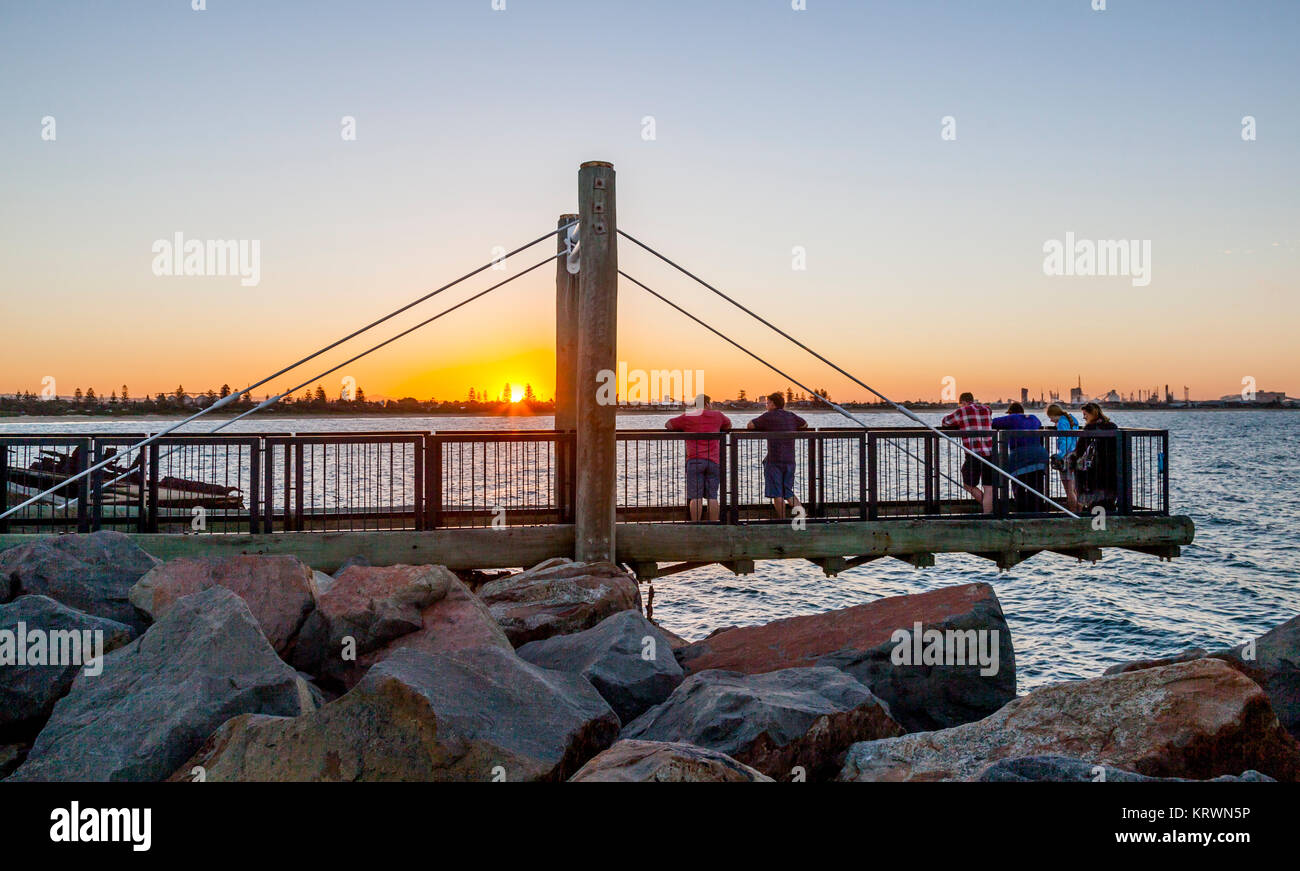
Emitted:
pixel 665 412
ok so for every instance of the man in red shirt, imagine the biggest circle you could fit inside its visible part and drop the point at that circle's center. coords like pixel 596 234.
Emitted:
pixel 702 455
pixel 977 477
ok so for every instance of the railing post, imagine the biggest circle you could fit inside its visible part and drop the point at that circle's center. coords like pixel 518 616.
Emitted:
pixel 1164 471
pixel 810 505
pixel 97 489
pixel 596 418
pixel 932 474
pixel 723 501
pixel 733 448
pixel 4 485
pixel 433 492
pixel 83 487
pixel 873 487
pixel 268 475
pixel 153 486
pixel 862 476
pixel 254 486
pixel 1124 494
pixel 1001 487
pixel 417 483
pixel 298 484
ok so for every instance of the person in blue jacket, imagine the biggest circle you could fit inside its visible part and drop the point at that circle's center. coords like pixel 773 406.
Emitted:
pixel 1063 421
pixel 1025 457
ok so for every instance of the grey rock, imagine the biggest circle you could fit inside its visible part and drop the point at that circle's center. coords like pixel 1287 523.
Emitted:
pixel 92 573
pixel 775 722
pixel 558 597
pixel 475 714
pixel 161 695
pixel 1067 769
pixel 628 659
pixel 67 637
pixel 1276 668
pixel 665 762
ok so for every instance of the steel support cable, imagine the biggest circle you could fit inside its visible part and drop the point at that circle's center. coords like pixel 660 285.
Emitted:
pixel 780 372
pixel 906 412
pixel 267 403
pixel 836 406
pixel 221 403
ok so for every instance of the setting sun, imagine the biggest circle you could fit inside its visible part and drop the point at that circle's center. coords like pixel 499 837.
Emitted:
pixel 516 393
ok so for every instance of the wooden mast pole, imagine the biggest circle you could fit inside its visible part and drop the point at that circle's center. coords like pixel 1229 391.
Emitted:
pixel 566 367
pixel 596 416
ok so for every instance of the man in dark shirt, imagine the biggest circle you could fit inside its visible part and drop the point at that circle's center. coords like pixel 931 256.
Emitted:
pixel 778 465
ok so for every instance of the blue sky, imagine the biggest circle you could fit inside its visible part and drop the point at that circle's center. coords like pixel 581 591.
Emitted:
pixel 774 128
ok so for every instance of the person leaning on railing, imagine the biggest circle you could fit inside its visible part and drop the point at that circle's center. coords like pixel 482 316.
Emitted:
pixel 1063 421
pixel 702 456
pixel 976 477
pixel 1094 461
pixel 779 464
pixel 1026 457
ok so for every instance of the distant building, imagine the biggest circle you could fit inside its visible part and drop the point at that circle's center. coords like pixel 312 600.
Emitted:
pixel 1260 396
pixel 1076 392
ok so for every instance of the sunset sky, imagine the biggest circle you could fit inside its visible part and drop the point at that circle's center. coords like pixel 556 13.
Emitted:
pixel 774 128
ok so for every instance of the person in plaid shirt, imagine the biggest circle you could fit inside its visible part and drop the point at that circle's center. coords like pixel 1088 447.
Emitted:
pixel 977 477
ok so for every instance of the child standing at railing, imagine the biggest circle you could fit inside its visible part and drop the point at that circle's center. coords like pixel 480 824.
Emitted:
pixel 1063 421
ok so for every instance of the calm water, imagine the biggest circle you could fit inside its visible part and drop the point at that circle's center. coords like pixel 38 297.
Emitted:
pixel 1234 473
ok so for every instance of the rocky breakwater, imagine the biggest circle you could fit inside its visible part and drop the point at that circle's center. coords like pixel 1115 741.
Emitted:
pixel 259 668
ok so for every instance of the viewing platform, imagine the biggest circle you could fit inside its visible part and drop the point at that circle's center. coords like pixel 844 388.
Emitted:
pixel 587 490
pixel 506 499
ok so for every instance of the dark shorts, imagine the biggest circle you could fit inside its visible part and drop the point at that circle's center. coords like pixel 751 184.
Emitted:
pixel 778 480
pixel 701 479
pixel 974 473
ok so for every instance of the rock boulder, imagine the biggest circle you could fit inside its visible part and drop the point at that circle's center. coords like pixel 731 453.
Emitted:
pixel 479 714
pixel 628 659
pixel 280 591
pixel 372 606
pixel 1064 769
pixel 863 640
pixel 665 762
pixel 65 639
pixel 160 696
pixel 558 597
pixel 774 722
pixel 93 573
pixel 1198 720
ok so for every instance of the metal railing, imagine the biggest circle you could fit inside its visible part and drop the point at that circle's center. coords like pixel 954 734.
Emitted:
pixel 426 480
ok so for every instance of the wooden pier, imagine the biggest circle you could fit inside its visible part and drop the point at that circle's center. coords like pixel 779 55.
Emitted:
pixel 584 490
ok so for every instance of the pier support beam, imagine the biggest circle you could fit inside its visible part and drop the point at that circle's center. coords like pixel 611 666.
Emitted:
pixel 597 407
pixel 566 367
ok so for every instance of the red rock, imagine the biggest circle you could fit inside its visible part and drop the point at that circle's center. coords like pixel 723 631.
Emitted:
pixel 280 591
pixel 457 621
pixel 1197 719
pixel 371 605
pixel 859 640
